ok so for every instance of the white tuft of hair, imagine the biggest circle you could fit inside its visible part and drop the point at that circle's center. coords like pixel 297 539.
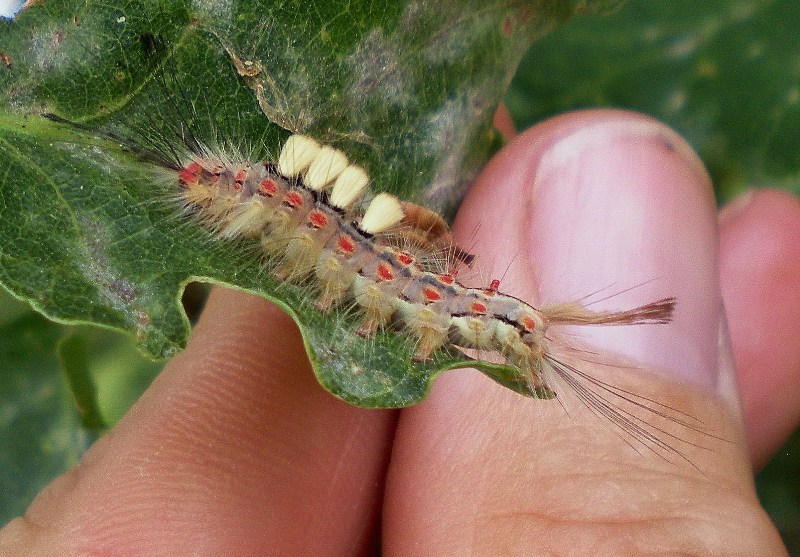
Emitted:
pixel 297 154
pixel 348 186
pixel 383 212
pixel 327 165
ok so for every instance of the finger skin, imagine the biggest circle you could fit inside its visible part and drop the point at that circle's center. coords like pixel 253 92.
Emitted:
pixel 760 282
pixel 760 278
pixel 477 470
pixel 234 450
pixel 503 123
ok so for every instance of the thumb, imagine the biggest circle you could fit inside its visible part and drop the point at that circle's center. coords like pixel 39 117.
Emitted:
pixel 594 202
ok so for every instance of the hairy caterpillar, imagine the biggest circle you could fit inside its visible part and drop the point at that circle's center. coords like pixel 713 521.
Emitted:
pixel 300 210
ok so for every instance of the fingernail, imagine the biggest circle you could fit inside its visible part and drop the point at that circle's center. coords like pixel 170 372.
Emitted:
pixel 623 215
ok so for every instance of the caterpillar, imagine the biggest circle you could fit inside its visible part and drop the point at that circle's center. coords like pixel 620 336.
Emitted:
pixel 300 209
pixel 318 226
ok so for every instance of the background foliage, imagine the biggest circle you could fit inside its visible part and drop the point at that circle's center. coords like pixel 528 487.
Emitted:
pixel 724 73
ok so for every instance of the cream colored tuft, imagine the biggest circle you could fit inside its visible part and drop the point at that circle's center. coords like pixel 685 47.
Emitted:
pixel 298 152
pixel 349 185
pixel 383 212
pixel 325 168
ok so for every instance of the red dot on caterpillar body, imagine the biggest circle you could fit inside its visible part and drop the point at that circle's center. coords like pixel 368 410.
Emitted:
pixel 431 295
pixel 345 244
pixel 317 219
pixel 188 174
pixel 445 279
pixel 293 199
pixel 268 187
pixel 528 323
pixel 215 173
pixel 478 308
pixel 384 272
pixel 240 176
pixel 493 286
pixel 405 259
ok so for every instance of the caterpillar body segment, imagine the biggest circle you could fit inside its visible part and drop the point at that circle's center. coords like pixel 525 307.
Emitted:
pixel 300 209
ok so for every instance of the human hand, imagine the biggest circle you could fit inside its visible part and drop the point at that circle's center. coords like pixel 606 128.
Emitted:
pixel 236 450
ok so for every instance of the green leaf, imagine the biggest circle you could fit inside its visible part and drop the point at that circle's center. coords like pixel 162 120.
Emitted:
pixel 52 408
pixel 40 432
pixel 726 75
pixel 779 491
pixel 406 89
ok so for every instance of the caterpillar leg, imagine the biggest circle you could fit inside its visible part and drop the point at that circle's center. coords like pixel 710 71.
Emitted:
pixel 335 279
pixel 247 219
pixel 429 324
pixel 299 259
pixel 473 331
pixel 509 342
pixel 429 340
pixel 377 302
